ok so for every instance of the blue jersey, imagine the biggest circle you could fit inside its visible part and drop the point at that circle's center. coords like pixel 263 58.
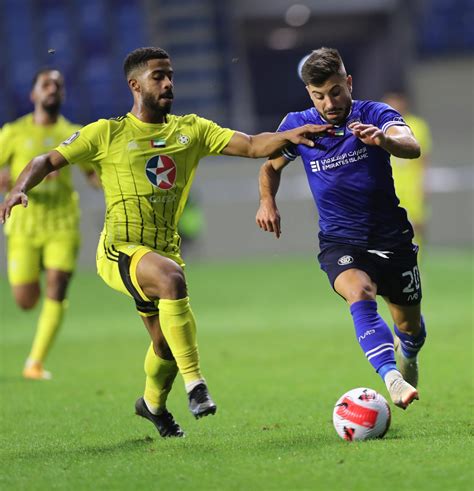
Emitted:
pixel 352 182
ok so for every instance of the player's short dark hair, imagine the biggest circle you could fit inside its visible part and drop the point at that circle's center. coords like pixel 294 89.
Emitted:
pixel 139 57
pixel 321 64
pixel 39 72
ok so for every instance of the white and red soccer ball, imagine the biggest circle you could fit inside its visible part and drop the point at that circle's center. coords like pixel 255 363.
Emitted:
pixel 361 414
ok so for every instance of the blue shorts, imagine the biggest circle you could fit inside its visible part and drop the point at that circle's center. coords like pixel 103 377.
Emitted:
pixel 395 272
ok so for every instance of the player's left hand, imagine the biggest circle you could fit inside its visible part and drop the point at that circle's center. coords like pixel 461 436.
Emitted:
pixel 303 134
pixel 369 134
pixel 13 199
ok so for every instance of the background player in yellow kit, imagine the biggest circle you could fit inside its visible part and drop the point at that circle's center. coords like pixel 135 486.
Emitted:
pixel 46 234
pixel 409 175
pixel 146 161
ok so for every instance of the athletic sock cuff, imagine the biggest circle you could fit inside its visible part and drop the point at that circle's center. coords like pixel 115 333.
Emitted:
pixel 363 306
pixel 174 307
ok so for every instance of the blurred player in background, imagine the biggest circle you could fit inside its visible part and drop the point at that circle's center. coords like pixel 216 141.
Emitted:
pixel 365 237
pixel 146 161
pixel 409 175
pixel 46 235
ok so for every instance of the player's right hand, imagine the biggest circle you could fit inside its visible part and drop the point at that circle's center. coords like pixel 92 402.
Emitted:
pixel 268 218
pixel 302 135
pixel 14 198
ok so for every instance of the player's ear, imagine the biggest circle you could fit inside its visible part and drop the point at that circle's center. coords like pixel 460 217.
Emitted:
pixel 134 85
pixel 349 83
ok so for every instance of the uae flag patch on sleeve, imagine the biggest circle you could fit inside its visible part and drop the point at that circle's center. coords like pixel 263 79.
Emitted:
pixel 157 143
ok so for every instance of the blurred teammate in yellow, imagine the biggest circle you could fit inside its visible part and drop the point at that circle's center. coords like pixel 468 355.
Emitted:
pixel 146 161
pixel 46 235
pixel 409 175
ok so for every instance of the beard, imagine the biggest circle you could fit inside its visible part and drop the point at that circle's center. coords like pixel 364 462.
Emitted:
pixel 339 118
pixel 52 107
pixel 155 104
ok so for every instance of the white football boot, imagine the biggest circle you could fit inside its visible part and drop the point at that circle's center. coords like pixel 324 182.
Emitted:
pixel 401 392
pixel 408 366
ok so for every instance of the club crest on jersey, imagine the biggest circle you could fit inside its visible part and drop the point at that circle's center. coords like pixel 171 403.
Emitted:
pixel 71 138
pixel 183 139
pixel 161 171
pixel 352 121
pixel 343 260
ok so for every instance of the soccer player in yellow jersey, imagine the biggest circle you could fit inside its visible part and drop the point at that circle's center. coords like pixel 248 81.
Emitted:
pixel 409 176
pixel 146 161
pixel 47 232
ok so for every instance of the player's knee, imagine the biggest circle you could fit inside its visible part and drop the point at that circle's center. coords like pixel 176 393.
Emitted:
pixel 173 284
pixel 362 292
pixel 26 302
pixel 57 284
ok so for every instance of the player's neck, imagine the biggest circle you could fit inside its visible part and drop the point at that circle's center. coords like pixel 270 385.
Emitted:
pixel 44 118
pixel 148 115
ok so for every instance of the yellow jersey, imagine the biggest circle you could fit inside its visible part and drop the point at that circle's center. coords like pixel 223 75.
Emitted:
pixel 409 174
pixel 53 204
pixel 146 171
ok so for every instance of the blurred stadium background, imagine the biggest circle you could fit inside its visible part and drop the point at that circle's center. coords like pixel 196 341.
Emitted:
pixel 236 62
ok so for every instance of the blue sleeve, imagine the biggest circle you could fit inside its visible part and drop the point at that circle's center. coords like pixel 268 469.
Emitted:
pixel 384 116
pixel 288 123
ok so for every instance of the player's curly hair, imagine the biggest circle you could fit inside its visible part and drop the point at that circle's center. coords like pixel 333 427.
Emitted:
pixel 139 57
pixel 321 64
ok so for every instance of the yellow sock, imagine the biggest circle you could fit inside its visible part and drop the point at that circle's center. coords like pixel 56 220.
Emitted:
pixel 160 375
pixel 48 326
pixel 179 328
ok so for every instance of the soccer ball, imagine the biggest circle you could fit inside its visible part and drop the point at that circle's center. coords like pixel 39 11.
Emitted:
pixel 361 414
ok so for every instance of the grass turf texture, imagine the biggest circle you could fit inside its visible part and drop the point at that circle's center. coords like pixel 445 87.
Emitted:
pixel 278 349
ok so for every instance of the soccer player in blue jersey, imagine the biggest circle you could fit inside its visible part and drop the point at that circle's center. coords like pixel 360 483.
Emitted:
pixel 365 237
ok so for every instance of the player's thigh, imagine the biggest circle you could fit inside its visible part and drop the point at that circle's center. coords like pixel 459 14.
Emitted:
pixel 160 277
pixel 118 271
pixel 60 252
pixel 350 272
pixel 23 260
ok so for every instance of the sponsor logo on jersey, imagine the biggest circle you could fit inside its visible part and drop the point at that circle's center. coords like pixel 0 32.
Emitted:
pixel 315 167
pixel 132 145
pixel 161 171
pixel 71 138
pixel 183 139
pixel 343 260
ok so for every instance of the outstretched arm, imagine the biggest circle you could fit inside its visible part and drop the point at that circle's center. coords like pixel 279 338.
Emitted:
pixel 398 140
pixel 31 176
pixel 268 216
pixel 267 144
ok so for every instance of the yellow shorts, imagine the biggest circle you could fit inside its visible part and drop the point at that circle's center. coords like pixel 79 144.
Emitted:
pixel 26 255
pixel 117 266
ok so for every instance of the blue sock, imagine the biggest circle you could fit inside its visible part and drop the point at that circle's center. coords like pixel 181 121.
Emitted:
pixel 412 344
pixel 374 336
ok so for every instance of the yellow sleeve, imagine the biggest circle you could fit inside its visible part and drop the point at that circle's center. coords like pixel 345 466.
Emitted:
pixel 6 145
pixel 213 138
pixel 86 146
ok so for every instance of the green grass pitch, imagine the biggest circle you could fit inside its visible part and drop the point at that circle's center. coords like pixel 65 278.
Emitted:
pixel 278 349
